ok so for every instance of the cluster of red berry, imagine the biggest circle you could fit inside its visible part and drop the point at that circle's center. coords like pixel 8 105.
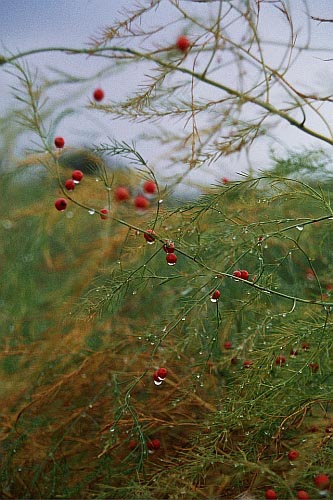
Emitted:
pixel 321 481
pixel 141 201
pixel 169 246
pixel 242 274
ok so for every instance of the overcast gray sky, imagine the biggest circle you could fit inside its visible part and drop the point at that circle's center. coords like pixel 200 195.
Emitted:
pixel 26 24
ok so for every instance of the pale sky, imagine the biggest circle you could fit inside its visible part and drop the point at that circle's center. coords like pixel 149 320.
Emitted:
pixel 26 24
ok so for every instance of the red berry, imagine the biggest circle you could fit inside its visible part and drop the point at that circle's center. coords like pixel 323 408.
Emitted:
pixel 61 204
pixel 141 203
pixel 237 274
pixel 59 142
pixel 153 444
pixel 104 213
pixel 215 296
pixel 244 274
pixel 77 176
pixel 169 246
pixel 133 444
pixel 171 259
pixel 227 345
pixel 121 193
pixel 293 352
pixel 183 43
pixel 150 187
pixel 70 184
pixel 225 180
pixel 293 455
pixel 305 346
pixel 247 363
pixel 314 367
pixel 270 495
pixel 321 480
pixel 98 95
pixel 302 495
pixel 162 373
pixel 280 360
pixel 149 236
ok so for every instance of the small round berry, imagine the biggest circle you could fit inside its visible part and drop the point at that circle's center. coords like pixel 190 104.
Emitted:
pixel 133 444
pixel 321 481
pixel 280 360
pixel 121 193
pixel 153 444
pixel 293 455
pixel 141 203
pixel 227 344
pixel 314 367
pixel 270 495
pixel 215 296
pixel 171 259
pixel 104 214
pixel 60 204
pixel 305 346
pixel 237 274
pixel 162 373
pixel 244 274
pixel 149 236
pixel 59 142
pixel 302 495
pixel 70 184
pixel 247 363
pixel 225 180
pixel 150 187
pixel 293 352
pixel 169 246
pixel 77 176
pixel 183 43
pixel 98 95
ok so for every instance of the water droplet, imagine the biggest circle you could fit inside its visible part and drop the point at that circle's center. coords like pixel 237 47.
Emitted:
pixel 160 202
pixel 112 429
pixel 91 211
pixel 69 214
pixel 300 228
pixel 97 180
pixel 158 382
pixel 90 406
pixel 183 319
pixel 213 300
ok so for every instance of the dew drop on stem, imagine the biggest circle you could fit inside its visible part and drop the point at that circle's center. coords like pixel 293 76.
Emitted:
pixel 300 228
pixel 91 211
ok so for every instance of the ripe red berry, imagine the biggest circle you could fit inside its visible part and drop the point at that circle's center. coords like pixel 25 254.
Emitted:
pixel 215 296
pixel 225 180
pixel 244 274
pixel 77 176
pixel 98 95
pixel 104 213
pixel 270 495
pixel 183 43
pixel 237 274
pixel 227 345
pixel 59 142
pixel 70 184
pixel 149 236
pixel 171 259
pixel 305 346
pixel 302 495
pixel 293 455
pixel 314 367
pixel 169 246
pixel 162 373
pixel 280 360
pixel 153 444
pixel 321 480
pixel 60 204
pixel 247 363
pixel 150 187
pixel 141 203
pixel 121 193
pixel 133 444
